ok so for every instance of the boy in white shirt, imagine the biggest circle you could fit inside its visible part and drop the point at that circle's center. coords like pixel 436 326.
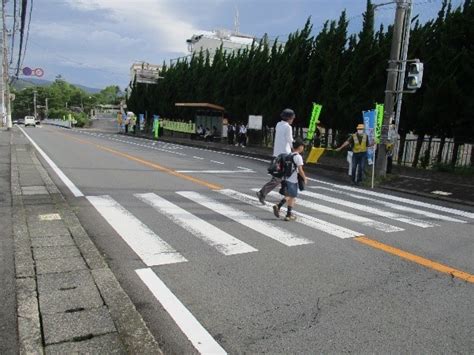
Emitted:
pixel 292 182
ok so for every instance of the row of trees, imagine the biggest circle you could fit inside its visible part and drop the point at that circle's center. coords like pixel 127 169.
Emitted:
pixel 345 73
pixel 63 98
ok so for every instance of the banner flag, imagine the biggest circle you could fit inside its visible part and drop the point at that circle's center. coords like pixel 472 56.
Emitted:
pixel 313 122
pixel 370 130
pixel 156 126
pixel 378 129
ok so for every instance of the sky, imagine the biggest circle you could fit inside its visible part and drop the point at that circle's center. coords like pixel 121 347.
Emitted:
pixel 94 42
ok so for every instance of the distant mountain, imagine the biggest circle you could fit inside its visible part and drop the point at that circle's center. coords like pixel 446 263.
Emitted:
pixel 24 83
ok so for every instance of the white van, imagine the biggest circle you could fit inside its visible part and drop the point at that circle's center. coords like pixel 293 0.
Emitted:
pixel 30 121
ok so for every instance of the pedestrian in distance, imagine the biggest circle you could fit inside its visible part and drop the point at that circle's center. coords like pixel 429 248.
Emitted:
pixel 389 146
pixel 283 143
pixel 359 142
pixel 291 182
pixel 242 136
pixel 231 133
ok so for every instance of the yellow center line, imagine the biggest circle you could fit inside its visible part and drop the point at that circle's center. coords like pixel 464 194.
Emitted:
pixel 145 162
pixel 417 259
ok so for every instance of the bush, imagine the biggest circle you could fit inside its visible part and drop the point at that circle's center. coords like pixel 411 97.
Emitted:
pixel 82 120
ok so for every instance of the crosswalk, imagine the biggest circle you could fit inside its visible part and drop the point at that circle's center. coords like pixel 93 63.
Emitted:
pixel 317 209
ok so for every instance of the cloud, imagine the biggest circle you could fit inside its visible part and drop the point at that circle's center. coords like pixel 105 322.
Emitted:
pixel 154 20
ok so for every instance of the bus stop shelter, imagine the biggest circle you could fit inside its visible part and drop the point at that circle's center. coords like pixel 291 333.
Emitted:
pixel 207 115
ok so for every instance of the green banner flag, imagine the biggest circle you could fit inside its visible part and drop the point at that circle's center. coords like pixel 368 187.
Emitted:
pixel 313 122
pixel 379 119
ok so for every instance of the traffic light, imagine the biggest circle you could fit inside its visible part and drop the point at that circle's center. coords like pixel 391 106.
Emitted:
pixel 415 75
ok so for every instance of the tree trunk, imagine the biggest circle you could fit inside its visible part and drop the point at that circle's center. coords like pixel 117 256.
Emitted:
pixel 454 157
pixel 401 149
pixel 419 144
pixel 472 154
pixel 439 157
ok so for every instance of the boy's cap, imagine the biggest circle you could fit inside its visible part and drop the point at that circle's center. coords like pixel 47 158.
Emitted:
pixel 287 114
pixel 360 126
pixel 298 143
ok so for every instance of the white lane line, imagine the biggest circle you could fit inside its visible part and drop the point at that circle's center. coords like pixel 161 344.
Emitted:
pixel 400 199
pixel 388 228
pixel 393 205
pixel 280 235
pixel 70 185
pixel 189 325
pixel 305 219
pixel 199 158
pixel 216 171
pixel 146 244
pixel 217 162
pixel 368 209
pixel 217 238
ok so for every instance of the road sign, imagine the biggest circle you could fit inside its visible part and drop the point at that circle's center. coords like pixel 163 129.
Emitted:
pixel 39 72
pixel 27 71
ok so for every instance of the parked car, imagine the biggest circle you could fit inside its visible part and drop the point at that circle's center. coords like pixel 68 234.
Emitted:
pixel 30 121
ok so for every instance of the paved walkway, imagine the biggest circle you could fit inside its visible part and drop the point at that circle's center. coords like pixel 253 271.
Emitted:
pixel 68 300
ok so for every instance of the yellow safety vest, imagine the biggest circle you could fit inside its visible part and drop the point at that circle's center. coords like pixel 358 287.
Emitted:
pixel 359 147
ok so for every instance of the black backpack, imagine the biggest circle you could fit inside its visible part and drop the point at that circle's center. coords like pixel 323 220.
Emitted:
pixel 282 166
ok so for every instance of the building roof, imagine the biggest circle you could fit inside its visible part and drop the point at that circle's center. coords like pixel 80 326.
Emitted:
pixel 200 105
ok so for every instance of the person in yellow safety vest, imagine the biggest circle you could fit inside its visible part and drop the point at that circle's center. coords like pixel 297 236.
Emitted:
pixel 359 142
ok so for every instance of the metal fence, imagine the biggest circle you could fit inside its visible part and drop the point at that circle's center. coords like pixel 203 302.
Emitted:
pixel 464 153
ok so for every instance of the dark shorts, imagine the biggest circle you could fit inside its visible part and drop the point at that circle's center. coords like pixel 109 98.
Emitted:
pixel 292 189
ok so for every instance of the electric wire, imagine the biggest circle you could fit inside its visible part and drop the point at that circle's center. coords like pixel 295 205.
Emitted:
pixel 27 33
pixel 13 31
pixel 24 4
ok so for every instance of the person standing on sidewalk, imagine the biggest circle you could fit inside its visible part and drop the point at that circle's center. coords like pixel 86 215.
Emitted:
pixel 283 143
pixel 359 142
pixel 292 182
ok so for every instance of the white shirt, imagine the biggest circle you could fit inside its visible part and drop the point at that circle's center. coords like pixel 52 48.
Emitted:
pixel 283 138
pixel 298 159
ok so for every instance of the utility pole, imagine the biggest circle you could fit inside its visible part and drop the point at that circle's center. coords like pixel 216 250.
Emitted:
pixel 46 107
pixel 401 76
pixel 34 103
pixel 393 76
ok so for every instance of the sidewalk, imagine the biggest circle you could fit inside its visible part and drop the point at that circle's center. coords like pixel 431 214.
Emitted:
pixel 404 179
pixel 68 300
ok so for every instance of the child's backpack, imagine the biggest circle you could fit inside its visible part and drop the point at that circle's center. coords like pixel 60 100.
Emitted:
pixel 282 166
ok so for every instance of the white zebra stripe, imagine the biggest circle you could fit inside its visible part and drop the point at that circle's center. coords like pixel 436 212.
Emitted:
pixel 393 205
pixel 285 237
pixel 400 199
pixel 222 241
pixel 310 221
pixel 375 211
pixel 144 242
pixel 346 215
pixel 189 325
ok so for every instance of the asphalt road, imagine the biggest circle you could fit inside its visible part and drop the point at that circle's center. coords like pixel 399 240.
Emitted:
pixel 256 284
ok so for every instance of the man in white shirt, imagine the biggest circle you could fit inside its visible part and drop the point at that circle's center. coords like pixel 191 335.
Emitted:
pixel 283 144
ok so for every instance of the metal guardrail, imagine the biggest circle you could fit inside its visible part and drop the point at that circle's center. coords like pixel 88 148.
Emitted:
pixel 58 122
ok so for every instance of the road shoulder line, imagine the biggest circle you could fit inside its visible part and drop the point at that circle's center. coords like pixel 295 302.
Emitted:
pixel 417 259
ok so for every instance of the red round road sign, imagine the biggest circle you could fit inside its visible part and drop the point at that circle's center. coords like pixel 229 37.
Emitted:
pixel 39 72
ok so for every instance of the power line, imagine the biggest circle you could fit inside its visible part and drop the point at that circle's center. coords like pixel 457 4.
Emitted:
pixel 13 31
pixel 24 4
pixel 27 33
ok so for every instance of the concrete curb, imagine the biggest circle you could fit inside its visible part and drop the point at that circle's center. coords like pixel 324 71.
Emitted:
pixel 132 330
